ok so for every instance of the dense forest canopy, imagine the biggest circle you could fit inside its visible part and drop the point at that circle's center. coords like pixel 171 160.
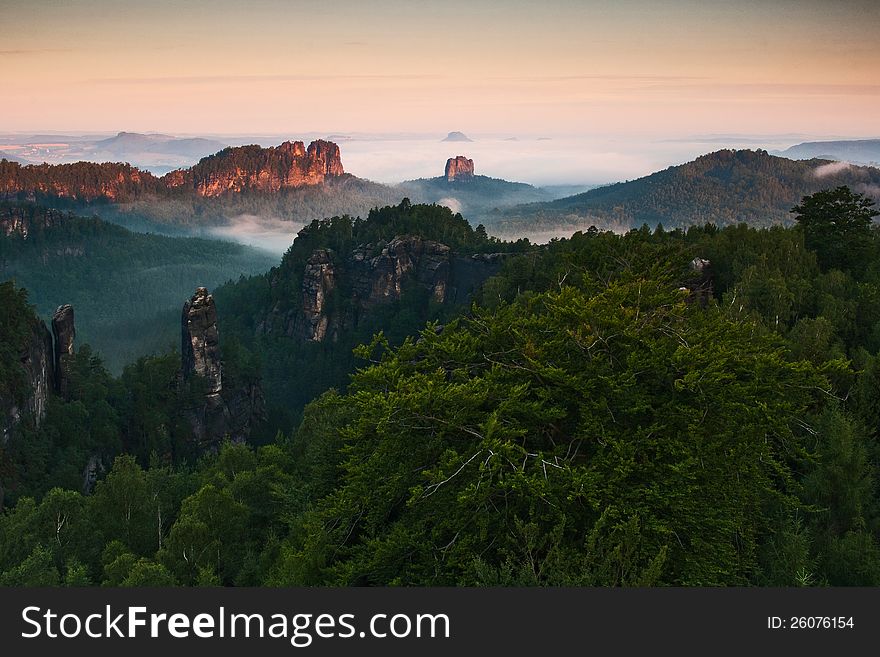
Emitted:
pixel 593 418
pixel 294 372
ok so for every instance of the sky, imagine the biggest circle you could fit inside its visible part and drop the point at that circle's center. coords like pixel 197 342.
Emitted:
pixel 507 68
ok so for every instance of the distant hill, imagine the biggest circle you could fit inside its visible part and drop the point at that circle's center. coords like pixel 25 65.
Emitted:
pixel 858 151
pixel 456 136
pixel 133 147
pixel 11 158
pixel 725 187
pixel 127 288
pixel 156 153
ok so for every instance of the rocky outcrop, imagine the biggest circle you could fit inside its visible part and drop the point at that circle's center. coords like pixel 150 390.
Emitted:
pixel 319 281
pixel 94 468
pixel 459 169
pixel 227 409
pixel 200 340
pixel 64 330
pixel 37 361
pixel 22 221
pixel 700 285
pixel 231 170
pixel 370 276
pixel 253 168
pixel 380 279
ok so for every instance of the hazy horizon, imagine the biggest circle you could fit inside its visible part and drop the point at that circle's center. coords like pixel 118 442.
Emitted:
pixel 562 67
pixel 562 160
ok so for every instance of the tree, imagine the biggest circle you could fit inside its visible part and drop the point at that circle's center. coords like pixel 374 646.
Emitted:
pixel 37 570
pixel 837 226
pixel 571 437
pixel 124 503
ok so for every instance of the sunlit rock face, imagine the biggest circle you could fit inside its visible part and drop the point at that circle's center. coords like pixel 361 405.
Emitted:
pixel 459 169
pixel 233 170
pixel 83 181
pixel 701 287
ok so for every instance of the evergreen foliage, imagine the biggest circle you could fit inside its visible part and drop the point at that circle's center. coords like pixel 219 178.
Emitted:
pixel 587 421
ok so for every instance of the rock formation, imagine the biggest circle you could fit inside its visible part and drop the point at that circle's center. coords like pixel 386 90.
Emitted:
pixel 64 330
pixel 231 170
pixel 82 181
pixel 37 361
pixel 380 278
pixel 370 276
pixel 24 220
pixel 700 286
pixel 319 281
pixel 227 409
pixel 234 170
pixel 200 340
pixel 459 168
pixel 94 468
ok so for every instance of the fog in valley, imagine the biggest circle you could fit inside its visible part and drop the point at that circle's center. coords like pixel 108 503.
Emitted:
pixel 267 233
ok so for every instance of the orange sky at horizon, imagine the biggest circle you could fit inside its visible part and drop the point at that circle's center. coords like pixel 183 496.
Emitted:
pixel 559 67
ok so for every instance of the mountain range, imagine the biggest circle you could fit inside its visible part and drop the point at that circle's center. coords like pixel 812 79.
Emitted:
pixel 297 184
pixel 157 153
pixel 857 151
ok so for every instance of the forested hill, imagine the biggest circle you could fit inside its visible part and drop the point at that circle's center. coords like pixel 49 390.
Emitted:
pixel 725 188
pixel 345 279
pixel 127 287
pixel 600 415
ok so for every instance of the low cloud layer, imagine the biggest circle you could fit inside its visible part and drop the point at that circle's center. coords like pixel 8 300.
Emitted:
pixel 831 169
pixel 267 233
pixel 452 203
pixel 533 159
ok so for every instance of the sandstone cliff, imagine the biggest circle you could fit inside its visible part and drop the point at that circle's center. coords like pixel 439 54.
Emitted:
pixel 36 359
pixel 45 369
pixel 82 181
pixel 319 282
pixel 22 221
pixel 701 286
pixel 200 340
pixel 226 409
pixel 338 291
pixel 65 333
pixel 459 169
pixel 232 170
pixel 235 170
pixel 380 278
